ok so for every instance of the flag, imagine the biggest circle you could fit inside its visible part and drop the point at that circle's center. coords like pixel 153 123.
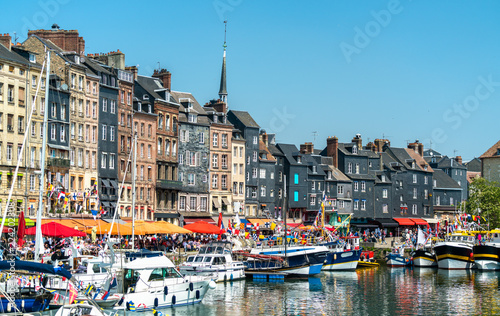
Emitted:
pixel 220 225
pixel 96 293
pixel 50 190
pixel 112 283
pixel 94 213
pixel 88 289
pixel 255 237
pixel 73 293
pixel 105 295
pixel 229 229
pixel 21 227
pixel 61 195
pixel 78 208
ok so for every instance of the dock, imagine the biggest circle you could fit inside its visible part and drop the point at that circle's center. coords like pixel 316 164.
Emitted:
pixel 268 276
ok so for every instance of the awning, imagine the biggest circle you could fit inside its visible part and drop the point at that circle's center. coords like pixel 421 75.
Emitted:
pixel 419 221
pixel 113 204
pixel 431 220
pixel 387 222
pixel 105 204
pixel 191 220
pixel 260 221
pixel 366 225
pixel 114 184
pixel 58 147
pixel 166 215
pixel 404 221
pixel 225 200
pixel 293 224
pixel 216 203
pixel 105 183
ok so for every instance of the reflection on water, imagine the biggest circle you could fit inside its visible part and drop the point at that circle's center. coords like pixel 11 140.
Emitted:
pixel 380 291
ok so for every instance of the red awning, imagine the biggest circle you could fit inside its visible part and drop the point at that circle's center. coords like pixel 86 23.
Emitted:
pixel 293 224
pixel 191 220
pixel 404 221
pixel 419 221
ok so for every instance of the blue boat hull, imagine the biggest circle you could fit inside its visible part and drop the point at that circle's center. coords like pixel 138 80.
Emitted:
pixel 342 260
pixel 25 305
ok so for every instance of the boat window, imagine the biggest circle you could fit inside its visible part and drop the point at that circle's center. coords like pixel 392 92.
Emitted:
pixel 495 235
pixel 210 249
pixel 157 274
pixel 130 279
pixel 203 250
pixel 208 259
pixel 171 273
pixel 190 259
pixel 96 268
pixel 219 250
pixel 199 259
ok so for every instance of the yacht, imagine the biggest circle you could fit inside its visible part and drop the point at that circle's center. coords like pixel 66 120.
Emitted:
pixel 216 260
pixel 424 257
pixel 486 255
pixel 455 252
pixel 343 255
pixel 150 283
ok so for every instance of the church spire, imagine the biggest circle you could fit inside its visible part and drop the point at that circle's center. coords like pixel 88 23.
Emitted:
pixel 222 90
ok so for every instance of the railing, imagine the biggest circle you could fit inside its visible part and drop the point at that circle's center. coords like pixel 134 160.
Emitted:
pixel 58 162
pixel 168 184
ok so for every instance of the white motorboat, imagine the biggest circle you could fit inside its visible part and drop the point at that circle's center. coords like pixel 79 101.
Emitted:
pixel 486 255
pixel 150 283
pixel 81 309
pixel 455 252
pixel 216 260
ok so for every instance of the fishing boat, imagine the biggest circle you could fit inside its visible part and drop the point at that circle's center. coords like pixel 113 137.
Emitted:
pixel 367 260
pixel 486 254
pixel 149 283
pixel 396 258
pixel 424 255
pixel 343 255
pixel 215 260
pixel 455 252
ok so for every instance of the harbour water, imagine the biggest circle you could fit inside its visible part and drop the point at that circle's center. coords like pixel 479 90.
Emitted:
pixel 380 291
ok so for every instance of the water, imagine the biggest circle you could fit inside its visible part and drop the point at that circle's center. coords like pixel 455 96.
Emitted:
pixel 380 291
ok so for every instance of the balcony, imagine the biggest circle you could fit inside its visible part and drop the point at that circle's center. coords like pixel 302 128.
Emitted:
pixel 168 184
pixel 58 162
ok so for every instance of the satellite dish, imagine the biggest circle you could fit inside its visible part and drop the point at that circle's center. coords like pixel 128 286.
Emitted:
pixel 82 59
pixel 64 87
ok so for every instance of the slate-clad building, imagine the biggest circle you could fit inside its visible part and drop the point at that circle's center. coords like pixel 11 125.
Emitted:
pixel 279 176
pixel 267 174
pixel 447 194
pixel 453 167
pixel 250 129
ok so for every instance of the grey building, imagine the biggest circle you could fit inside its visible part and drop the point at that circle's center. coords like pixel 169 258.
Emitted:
pixel 267 174
pixel 250 130
pixel 107 135
pixel 279 170
pixel 454 168
pixel 446 193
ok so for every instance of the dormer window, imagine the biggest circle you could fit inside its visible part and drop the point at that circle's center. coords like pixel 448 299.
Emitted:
pixel 190 105
pixel 215 118
pixel 498 151
pixel 32 58
pixel 149 108
pixel 145 97
pixel 413 164
pixel 382 177
pixel 139 107
pixel 314 169
pixel 299 159
pixel 329 175
pixel 354 149
pixel 191 118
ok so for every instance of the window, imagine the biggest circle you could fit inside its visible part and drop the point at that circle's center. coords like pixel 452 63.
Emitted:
pixel 215 139
pixel 160 121
pixel 296 178
pixel 357 168
pixel 53 110
pixel 80 83
pixel 224 161
pixel 215 179
pixel 349 167
pixel 414 178
pixel 263 190
pixel 10 93
pixel 255 155
pixel 63 133
pixel 112 134
pixel 223 140
pixel 94 155
pixel 203 204
pixel 241 152
pixel 415 193
pixel 296 196
pixel 426 194
pixel 235 168
pixel 414 209
pixel 215 163
pixel 384 193
pixel 255 140
pixel 113 106
pixel 104 131
pixel 149 151
pixel 363 186
pixel 354 149
pixel 254 173
pixel 142 151
pixel 191 179
pixel 9 152
pixel 262 173
pixel 32 182
pixel 223 181
pixel 182 202
pixel 80 157
pixel 426 180
pixel 385 208
pixel 202 138
pixel 104 159
pixel 105 105
pixel 94 110
pixel 363 205
pixel 451 201
pixel 112 161
pixel 356 185
pixel 312 200
pixel 240 191
pixel 438 200
pixel 356 205
pixel 340 189
pixel 53 131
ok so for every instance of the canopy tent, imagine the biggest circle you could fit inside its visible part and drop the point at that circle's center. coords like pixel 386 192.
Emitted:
pixel 419 221
pixel 404 221
pixel 54 229
pixel 118 229
pixel 387 222
pixel 203 228
pixel 169 228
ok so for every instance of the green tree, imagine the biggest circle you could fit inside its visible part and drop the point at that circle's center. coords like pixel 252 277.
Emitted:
pixel 484 200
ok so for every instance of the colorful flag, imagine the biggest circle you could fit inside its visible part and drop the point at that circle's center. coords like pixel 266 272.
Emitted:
pixel 88 289
pixel 96 293
pixel 73 293
pixel 229 229
pixel 60 195
pixel 220 226
pixel 105 295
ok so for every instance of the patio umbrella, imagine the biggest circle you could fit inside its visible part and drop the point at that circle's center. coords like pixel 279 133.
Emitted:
pixel 54 229
pixel 21 229
pixel 169 228
pixel 203 228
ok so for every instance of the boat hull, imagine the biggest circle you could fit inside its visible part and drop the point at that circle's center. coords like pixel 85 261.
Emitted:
pixel 396 260
pixel 424 258
pixel 454 256
pixel 486 257
pixel 219 274
pixel 342 260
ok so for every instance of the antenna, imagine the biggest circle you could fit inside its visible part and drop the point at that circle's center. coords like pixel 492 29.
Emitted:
pixel 15 38
pixel 225 29
pixel 159 66
pixel 315 133
pixel 455 152
pixel 430 143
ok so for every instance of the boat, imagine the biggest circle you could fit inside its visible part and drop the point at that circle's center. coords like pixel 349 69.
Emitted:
pixel 214 259
pixel 343 255
pixel 81 309
pixel 290 260
pixel 455 252
pixel 486 254
pixel 149 283
pixel 396 258
pixel 424 255
pixel 367 260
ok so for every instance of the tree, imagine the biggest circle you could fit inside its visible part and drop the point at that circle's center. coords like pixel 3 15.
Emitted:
pixel 484 200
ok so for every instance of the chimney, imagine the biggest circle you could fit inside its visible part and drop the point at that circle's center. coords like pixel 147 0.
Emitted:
pixel 458 159
pixel 67 40
pixel 332 148
pixel 218 105
pixel 6 40
pixel 134 71
pixel 263 137
pixel 358 141
pixel 307 148
pixel 165 77
pixel 371 146
pixel 417 147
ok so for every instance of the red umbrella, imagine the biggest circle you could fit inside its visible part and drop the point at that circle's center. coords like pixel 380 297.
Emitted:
pixel 21 227
pixel 203 228
pixel 54 229
pixel 7 229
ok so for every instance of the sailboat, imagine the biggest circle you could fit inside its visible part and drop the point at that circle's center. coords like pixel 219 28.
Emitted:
pixel 424 255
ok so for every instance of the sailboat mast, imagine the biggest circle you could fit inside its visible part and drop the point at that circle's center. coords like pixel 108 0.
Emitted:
pixel 134 172
pixel 285 209
pixel 38 233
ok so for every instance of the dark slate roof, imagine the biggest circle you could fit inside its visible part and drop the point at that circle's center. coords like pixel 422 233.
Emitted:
pixel 447 162
pixel 197 109
pixel 288 150
pixel 274 150
pixel 346 149
pixel 378 177
pixel 151 84
pixel 96 66
pixel 310 161
pixel 245 118
pixel 354 176
pixel 431 153
pixel 474 165
pixel 401 156
pixel 444 181
pixel 5 54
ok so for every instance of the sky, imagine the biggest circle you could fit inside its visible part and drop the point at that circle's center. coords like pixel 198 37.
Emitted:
pixel 402 70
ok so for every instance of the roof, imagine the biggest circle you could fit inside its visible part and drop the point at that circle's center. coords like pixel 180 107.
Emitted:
pixel 472 175
pixel 447 162
pixel 420 162
pixel 263 149
pixel 151 84
pixel 444 181
pixel 96 66
pixel 245 118
pixel 336 173
pixel 492 152
pixel 149 263
pixel 8 55
pixel 474 165
pixel 431 153
pixel 196 107
pixel 288 150
pixel 346 149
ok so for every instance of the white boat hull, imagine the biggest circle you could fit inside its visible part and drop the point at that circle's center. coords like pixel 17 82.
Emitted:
pixel 487 264
pixel 424 262
pixel 453 264
pixel 352 265
pixel 221 274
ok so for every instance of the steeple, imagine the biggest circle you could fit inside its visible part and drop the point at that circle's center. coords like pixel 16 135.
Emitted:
pixel 222 90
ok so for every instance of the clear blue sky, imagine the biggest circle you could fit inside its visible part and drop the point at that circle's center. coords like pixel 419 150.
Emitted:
pixel 404 69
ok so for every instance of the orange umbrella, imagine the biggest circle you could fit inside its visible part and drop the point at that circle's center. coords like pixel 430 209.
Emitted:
pixel 203 228
pixel 169 228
